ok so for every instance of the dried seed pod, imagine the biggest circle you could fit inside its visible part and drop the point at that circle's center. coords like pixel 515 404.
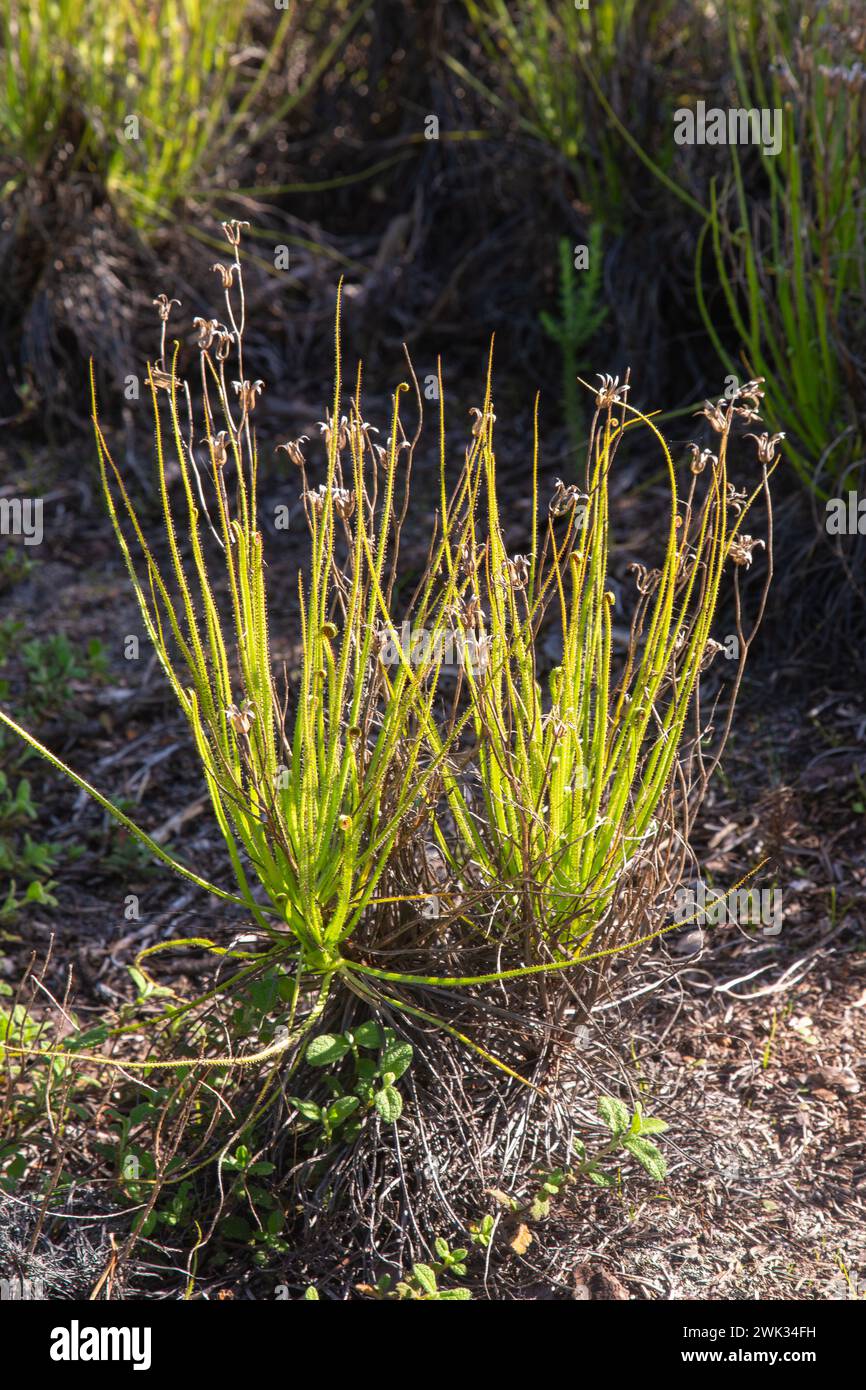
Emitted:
pixel 317 499
pixel 610 392
pixel 469 558
pixel 208 329
pixel 241 719
pixel 471 612
pixel 851 79
pixel 518 571
pixel 233 231
pixel 564 498
pixel 752 391
pixel 226 274
pixel 716 414
pixel 164 306
pixel 293 448
pixel 484 420
pixel 344 502
pixel 248 393
pixel 767 445
pixel 742 548
pixel 710 652
pixel 163 380
pixel 360 432
pixel 646 581
pixel 224 341
pixel 736 500
pixel 326 426
pixel 701 457
pixel 218 446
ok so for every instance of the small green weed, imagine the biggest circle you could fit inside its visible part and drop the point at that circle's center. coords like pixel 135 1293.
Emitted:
pixel 422 1285
pixel 22 857
pixel 370 1084
pixel 581 315
pixel 629 1134
pixel 15 565
pixel 52 664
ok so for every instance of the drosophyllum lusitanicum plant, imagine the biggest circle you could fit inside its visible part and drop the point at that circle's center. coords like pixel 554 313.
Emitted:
pixel 556 810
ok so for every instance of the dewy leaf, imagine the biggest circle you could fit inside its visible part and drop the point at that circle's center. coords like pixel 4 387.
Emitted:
pixel 369 1034
pixel 142 984
pixel 342 1109
pixel 650 1126
pixel 307 1108
pixel 614 1114
pixel 425 1276
pixel 599 1178
pixel 326 1048
pixel 389 1104
pixel 397 1059
pixel 647 1155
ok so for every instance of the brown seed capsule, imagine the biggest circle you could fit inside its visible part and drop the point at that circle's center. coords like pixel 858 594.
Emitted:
pixel 326 427
pixel 226 274
pixel 248 393
pixel 736 500
pixel 164 305
pixel 207 330
pixel 344 502
pixel 565 498
pixel 293 448
pixel 233 231
pixel 710 652
pixel 701 457
pixel 742 548
pixel 163 380
pixel 518 571
pixel 610 392
pixel 241 719
pixel 767 444
pixel 715 414
pixel 484 419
